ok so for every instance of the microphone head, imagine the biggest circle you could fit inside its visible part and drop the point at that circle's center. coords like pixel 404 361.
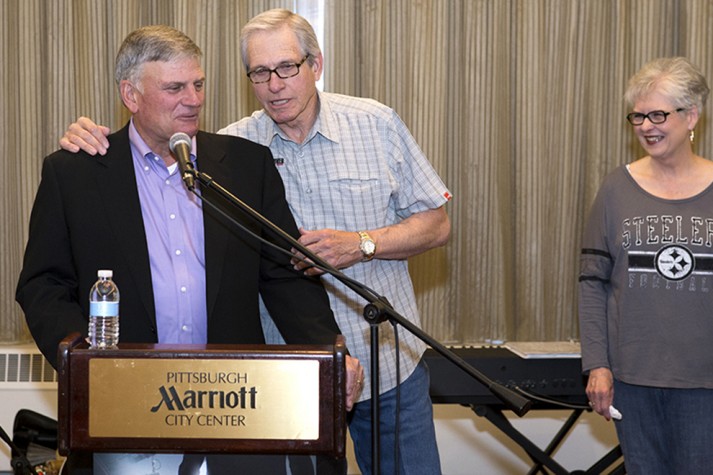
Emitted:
pixel 179 137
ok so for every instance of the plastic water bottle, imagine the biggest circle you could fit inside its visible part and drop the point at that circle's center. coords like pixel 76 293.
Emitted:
pixel 104 312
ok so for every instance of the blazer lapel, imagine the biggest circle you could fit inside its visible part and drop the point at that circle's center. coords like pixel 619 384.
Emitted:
pixel 117 186
pixel 210 161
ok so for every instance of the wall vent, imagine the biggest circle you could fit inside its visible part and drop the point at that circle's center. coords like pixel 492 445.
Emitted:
pixel 22 369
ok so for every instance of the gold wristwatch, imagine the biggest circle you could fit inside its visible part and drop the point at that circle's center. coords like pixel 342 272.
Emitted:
pixel 367 246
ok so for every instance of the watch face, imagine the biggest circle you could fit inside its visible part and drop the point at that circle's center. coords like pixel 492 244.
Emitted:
pixel 368 247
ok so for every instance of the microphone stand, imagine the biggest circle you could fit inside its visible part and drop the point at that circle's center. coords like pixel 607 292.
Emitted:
pixel 375 312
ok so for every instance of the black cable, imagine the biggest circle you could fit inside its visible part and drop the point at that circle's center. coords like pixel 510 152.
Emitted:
pixel 554 402
pixel 20 464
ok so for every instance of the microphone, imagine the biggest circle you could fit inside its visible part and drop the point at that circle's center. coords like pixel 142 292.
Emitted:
pixel 180 145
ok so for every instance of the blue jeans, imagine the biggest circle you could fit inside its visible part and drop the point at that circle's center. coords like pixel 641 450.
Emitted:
pixel 665 431
pixel 418 453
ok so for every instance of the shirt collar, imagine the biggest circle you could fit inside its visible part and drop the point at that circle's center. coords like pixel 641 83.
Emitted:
pixel 137 143
pixel 143 149
pixel 324 125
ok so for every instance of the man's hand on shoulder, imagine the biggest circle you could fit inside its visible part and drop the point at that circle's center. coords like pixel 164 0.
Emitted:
pixel 87 136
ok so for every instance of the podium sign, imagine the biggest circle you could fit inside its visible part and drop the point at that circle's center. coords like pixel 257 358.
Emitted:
pixel 202 398
pixel 229 399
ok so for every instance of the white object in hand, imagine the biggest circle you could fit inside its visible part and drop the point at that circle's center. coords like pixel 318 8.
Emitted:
pixel 614 413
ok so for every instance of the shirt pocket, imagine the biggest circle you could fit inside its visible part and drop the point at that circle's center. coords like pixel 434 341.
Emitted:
pixel 360 197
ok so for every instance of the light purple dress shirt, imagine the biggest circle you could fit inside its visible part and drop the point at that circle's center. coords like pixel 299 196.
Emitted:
pixel 173 221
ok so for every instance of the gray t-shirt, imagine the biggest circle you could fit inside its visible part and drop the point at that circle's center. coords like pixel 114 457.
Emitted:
pixel 646 286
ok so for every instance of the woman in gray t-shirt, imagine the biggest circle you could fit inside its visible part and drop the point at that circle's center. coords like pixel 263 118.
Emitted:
pixel 646 282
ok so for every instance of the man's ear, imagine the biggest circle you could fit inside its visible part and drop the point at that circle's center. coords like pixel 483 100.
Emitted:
pixel 128 93
pixel 317 64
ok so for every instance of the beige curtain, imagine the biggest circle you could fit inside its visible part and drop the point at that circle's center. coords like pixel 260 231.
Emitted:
pixel 516 102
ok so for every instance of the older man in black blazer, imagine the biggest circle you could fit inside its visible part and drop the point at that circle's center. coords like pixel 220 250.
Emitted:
pixel 87 216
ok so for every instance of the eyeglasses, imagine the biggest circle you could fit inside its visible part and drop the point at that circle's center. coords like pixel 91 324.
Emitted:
pixel 283 71
pixel 655 117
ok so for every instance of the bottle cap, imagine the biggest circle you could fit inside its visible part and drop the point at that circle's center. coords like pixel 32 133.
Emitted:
pixel 107 274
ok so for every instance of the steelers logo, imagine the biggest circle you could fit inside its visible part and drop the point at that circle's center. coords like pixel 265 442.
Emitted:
pixel 674 262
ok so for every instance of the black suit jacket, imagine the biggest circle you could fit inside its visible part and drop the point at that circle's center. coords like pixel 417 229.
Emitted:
pixel 87 216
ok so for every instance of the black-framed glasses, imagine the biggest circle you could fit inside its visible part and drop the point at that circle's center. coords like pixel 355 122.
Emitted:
pixel 655 117
pixel 283 71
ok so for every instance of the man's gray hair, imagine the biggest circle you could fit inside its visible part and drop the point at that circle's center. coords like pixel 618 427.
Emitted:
pixel 272 20
pixel 151 43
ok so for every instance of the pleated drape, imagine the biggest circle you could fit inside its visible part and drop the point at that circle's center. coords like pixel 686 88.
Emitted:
pixel 517 103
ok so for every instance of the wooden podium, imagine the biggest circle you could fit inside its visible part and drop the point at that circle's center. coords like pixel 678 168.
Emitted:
pixel 152 398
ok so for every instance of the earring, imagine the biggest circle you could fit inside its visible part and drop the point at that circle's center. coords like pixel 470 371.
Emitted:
pixel 692 135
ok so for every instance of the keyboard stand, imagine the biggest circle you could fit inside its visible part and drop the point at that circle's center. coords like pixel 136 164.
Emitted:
pixel 544 458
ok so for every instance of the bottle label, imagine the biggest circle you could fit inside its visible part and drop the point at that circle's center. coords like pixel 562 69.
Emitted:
pixel 104 309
